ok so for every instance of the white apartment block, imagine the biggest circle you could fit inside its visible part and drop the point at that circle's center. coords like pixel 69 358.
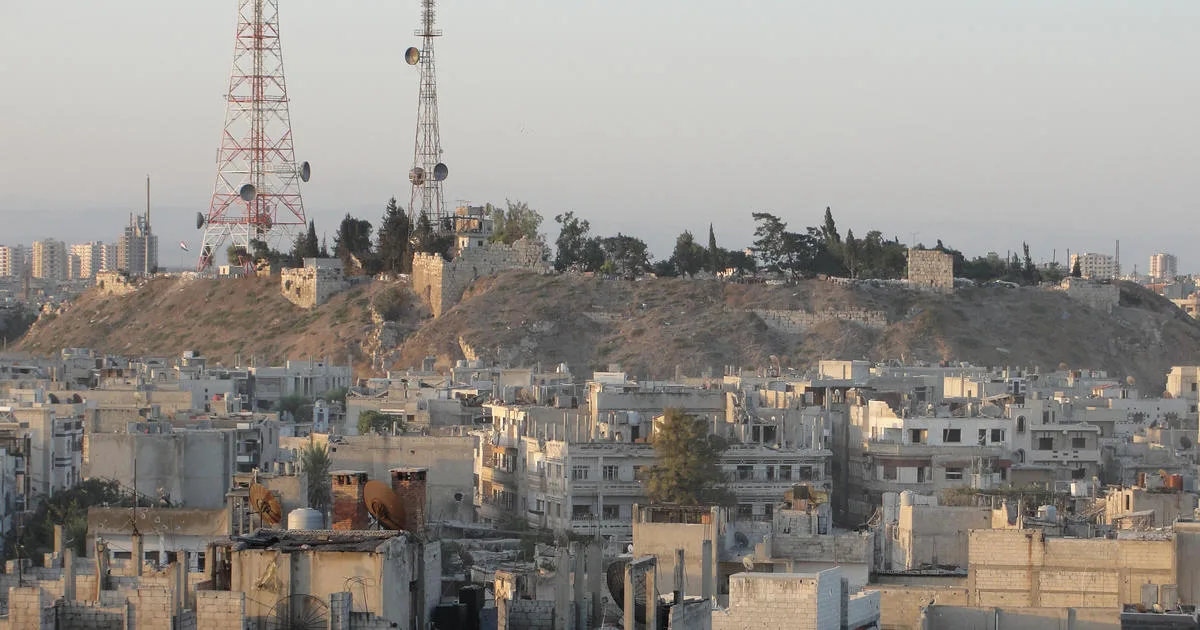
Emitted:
pixel 1095 266
pixel 1163 266
pixel 49 260
pixel 10 260
pixel 86 259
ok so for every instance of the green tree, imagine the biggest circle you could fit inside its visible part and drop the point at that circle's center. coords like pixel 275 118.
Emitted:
pixel 68 508
pixel 1075 270
pixel 392 241
pixel 627 255
pixel 430 241
pixel 770 242
pixel 572 241
pixel 299 407
pixel 829 231
pixel 850 254
pixel 688 256
pixel 716 255
pixel 352 244
pixel 305 246
pixel 315 464
pixel 236 255
pixel 687 469
pixel 515 222
pixel 371 421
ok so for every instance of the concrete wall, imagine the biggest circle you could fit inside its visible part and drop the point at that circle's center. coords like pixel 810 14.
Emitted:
pixel 1102 296
pixel 804 553
pixel 798 322
pixel 900 606
pixel 86 616
pixel 691 615
pixel 782 600
pixel 194 467
pixel 662 539
pixel 936 535
pixel 954 618
pixel 449 460
pixel 523 614
pixel 441 284
pixel 1024 568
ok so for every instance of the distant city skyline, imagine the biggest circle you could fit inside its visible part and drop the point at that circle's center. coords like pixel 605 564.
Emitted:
pixel 1064 125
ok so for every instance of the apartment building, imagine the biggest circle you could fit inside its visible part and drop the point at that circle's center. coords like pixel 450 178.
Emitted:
pixel 1094 266
pixel 86 259
pixel 49 260
pixel 1163 267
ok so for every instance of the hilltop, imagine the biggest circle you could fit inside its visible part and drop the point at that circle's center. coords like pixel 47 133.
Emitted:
pixel 649 327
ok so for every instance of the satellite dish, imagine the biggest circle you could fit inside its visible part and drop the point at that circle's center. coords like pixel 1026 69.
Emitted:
pixel 417 176
pixel 384 505
pixel 248 192
pixel 305 172
pixel 412 56
pixel 440 171
pixel 199 220
pixel 1185 443
pixel 264 503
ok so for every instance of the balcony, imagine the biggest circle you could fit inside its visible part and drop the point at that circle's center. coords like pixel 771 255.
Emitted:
pixel 497 475
pixel 603 527
pixel 607 488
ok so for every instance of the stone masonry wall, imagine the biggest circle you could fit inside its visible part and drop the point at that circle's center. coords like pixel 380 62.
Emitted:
pixel 527 614
pixel 798 322
pixel 441 283
pixel 1102 296
pixel 80 615
pixel 1023 568
pixel 691 615
pixel 309 287
pixel 220 609
pixel 931 269
pixel 766 600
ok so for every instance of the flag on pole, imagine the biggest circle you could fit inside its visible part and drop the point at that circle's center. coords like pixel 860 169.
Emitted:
pixel 183 245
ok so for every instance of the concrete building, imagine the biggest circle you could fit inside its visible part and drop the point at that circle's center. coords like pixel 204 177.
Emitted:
pixel 1145 508
pixel 931 269
pixel 1094 266
pixel 49 260
pixel 309 379
pixel 1163 267
pixel 12 260
pixel 920 534
pixel 809 601
pixel 86 259
pixel 137 250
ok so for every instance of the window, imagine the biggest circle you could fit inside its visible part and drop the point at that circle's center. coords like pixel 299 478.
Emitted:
pixel 770 473
pixel 889 472
pixel 579 473
pixel 1045 444
pixel 637 472
pixel 804 473
pixel 581 511
pixel 921 474
pixel 918 436
pixel 997 435
pixel 982 437
pixel 1021 422
pixel 1078 442
pixel 610 473
pixel 785 473
pixel 951 435
pixel 745 509
pixel 558 510
pixel 745 473
pixel 954 473
pixel 539 506
pixel 612 512
pixel 1079 473
pixel 1193 387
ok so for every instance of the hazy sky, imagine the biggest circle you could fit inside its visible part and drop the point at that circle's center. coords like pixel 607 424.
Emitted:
pixel 1067 124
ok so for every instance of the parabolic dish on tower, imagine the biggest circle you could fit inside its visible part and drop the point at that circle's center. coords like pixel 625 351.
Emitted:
pixel 440 171
pixel 412 56
pixel 305 172
pixel 417 176
pixel 248 192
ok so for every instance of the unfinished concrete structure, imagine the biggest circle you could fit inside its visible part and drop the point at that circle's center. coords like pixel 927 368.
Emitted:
pixel 808 601
pixel 931 269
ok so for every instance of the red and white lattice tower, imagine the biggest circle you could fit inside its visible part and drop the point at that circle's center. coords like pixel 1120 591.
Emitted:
pixel 428 171
pixel 257 193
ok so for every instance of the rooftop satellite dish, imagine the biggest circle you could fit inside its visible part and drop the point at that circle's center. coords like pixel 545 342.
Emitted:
pixel 248 192
pixel 440 171
pixel 305 172
pixel 412 56
pixel 264 503
pixel 384 505
pixel 417 176
pixel 199 220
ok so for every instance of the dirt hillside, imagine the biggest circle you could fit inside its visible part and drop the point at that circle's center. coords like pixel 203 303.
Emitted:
pixel 648 327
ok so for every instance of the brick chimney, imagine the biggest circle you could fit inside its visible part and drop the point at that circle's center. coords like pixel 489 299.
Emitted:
pixel 349 509
pixel 409 485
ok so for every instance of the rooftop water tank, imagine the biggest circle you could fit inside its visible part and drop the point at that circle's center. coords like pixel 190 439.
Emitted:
pixel 306 518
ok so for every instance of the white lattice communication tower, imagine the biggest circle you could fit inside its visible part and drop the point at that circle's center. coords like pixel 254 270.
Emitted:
pixel 257 192
pixel 428 171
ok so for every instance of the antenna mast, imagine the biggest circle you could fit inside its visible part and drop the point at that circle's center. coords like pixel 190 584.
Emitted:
pixel 428 171
pixel 257 192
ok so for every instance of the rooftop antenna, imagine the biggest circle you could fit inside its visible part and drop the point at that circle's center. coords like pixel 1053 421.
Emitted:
pixel 428 171
pixel 146 248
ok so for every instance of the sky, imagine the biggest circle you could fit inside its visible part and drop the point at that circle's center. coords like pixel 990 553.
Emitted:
pixel 1068 125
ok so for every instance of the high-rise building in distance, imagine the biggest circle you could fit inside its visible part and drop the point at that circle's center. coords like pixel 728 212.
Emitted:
pixel 1095 266
pixel 86 259
pixel 137 251
pixel 1163 266
pixel 49 259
